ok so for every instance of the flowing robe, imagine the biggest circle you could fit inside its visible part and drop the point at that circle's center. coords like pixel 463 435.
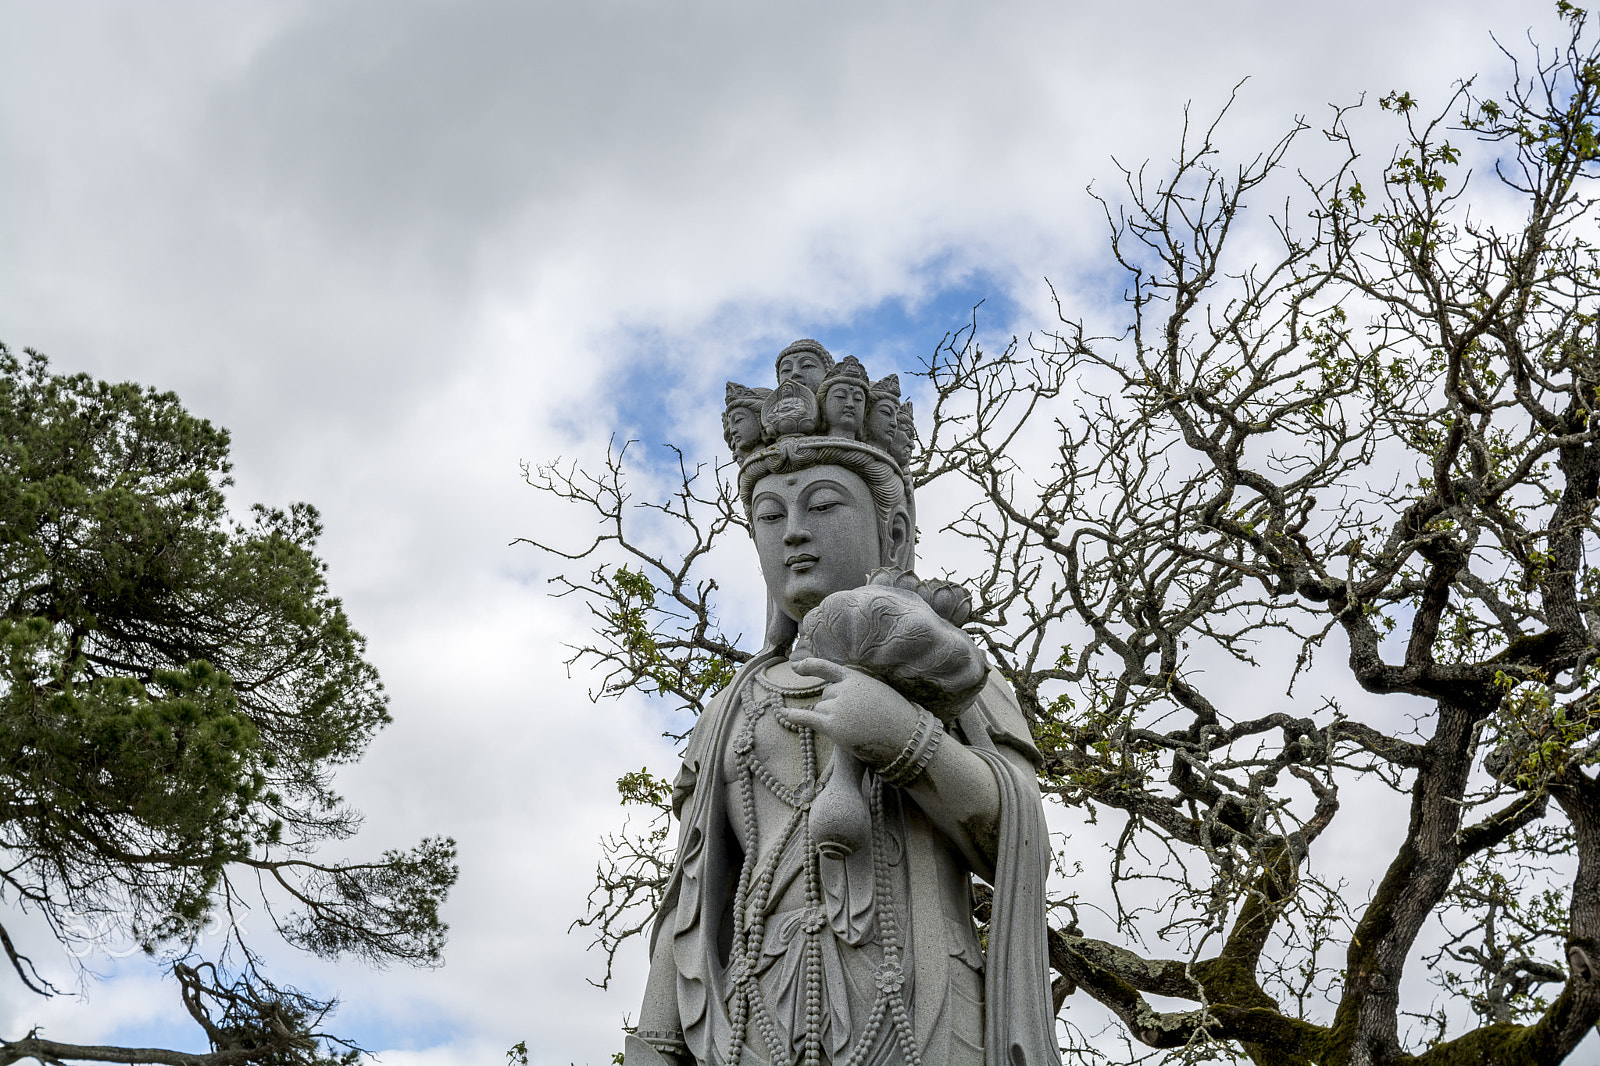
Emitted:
pixel 1013 1025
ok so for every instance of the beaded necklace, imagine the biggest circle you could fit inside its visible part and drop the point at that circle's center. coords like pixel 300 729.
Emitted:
pixel 753 896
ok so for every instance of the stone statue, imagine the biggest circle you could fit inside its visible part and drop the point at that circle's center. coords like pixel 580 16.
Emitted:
pixel 883 414
pixel 843 399
pixel 838 797
pixel 741 419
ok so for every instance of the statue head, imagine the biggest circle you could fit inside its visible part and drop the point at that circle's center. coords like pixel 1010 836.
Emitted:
pixel 883 412
pixel 805 361
pixel 741 420
pixel 905 436
pixel 820 530
pixel 824 511
pixel 843 399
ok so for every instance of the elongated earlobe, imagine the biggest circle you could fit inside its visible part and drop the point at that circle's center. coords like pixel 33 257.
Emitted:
pixel 899 539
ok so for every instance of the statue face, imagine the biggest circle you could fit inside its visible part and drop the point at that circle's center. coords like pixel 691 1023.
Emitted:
pixel 881 422
pixel 744 428
pixel 816 532
pixel 902 438
pixel 843 407
pixel 805 367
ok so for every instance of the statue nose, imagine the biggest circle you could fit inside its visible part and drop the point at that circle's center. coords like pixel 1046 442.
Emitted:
pixel 796 535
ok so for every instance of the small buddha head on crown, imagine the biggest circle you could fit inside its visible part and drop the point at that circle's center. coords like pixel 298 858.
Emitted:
pixel 843 399
pixel 741 418
pixel 883 412
pixel 805 361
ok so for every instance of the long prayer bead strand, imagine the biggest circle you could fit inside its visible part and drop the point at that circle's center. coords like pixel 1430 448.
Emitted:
pixel 738 1017
pixel 811 1051
pixel 740 1008
pixel 892 978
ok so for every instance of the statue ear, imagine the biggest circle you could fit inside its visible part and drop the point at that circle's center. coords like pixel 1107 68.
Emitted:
pixel 899 538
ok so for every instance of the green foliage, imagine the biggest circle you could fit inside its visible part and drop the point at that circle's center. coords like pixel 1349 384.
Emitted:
pixel 1397 101
pixel 659 661
pixel 1536 737
pixel 176 688
pixel 172 760
pixel 645 789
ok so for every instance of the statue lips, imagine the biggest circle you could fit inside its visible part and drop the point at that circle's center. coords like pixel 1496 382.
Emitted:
pixel 800 562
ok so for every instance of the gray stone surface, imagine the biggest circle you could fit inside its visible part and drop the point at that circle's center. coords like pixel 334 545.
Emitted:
pixel 837 799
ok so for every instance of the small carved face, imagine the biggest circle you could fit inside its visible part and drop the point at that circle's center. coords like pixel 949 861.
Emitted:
pixel 743 430
pixel 881 421
pixel 904 434
pixel 843 407
pixel 816 532
pixel 805 367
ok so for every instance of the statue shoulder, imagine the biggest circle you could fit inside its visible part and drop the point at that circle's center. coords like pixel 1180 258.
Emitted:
pixel 700 752
pixel 705 727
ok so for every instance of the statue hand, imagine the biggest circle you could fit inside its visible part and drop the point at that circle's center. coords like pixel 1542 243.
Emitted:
pixel 857 712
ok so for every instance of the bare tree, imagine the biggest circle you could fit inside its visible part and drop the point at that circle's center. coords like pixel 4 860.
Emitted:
pixel 1380 437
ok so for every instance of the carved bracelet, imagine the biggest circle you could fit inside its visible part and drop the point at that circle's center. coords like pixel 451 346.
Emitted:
pixel 663 1039
pixel 914 758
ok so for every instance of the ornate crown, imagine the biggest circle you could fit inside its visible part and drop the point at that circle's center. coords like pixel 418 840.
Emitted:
pixel 817 397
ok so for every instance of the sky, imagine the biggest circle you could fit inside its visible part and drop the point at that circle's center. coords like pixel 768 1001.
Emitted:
pixel 400 249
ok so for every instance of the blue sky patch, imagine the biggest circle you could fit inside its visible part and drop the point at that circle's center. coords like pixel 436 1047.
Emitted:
pixel 667 390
